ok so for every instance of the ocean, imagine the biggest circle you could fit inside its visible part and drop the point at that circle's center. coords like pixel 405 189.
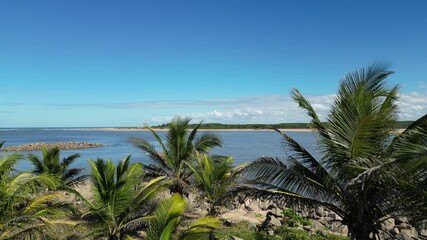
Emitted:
pixel 243 146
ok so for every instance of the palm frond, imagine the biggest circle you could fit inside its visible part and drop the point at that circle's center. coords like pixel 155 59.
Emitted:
pixel 69 160
pixel 150 150
pixel 7 163
pixel 166 219
pixel 305 104
pixel 206 142
pixel 200 229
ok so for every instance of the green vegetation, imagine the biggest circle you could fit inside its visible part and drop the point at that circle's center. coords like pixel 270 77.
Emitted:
pixel 363 176
pixel 50 164
pixel 260 126
pixel 29 206
pixel 242 126
pixel 168 216
pixel 178 149
pixel 293 218
pixel 246 231
pixel 213 177
pixel 367 173
pixel 121 202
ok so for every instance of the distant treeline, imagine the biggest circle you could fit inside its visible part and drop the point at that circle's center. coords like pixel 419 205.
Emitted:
pixel 398 125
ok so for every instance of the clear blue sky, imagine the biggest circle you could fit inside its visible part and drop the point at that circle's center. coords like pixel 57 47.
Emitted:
pixel 125 63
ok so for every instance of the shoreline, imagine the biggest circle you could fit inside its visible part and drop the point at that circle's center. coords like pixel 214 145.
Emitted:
pixel 200 130
pixel 399 130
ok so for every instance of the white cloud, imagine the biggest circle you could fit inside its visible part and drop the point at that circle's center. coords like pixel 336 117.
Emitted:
pixel 280 108
pixel 253 109
pixel 257 109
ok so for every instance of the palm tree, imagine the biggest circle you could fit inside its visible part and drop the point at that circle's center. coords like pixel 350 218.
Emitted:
pixel 167 218
pixel 50 164
pixel 121 203
pixel 28 211
pixel 178 148
pixel 367 172
pixel 214 176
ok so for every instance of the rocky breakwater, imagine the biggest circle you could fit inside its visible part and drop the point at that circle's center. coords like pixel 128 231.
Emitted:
pixel 60 145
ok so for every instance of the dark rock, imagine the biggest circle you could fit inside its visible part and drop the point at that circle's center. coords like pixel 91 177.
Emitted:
pixel 60 145
pixel 227 223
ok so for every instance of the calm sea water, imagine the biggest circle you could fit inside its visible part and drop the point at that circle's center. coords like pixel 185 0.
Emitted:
pixel 244 146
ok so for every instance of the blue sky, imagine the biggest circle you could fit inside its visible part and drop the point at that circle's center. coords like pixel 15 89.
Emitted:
pixel 125 63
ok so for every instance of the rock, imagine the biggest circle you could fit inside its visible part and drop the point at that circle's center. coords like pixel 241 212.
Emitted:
pixel 317 224
pixel 341 229
pixel 263 205
pixel 307 228
pixel 60 145
pixel 403 236
pixel 400 220
pixel 276 222
pixel 422 229
pixel 326 220
pixel 382 235
pixel 228 223
pixel 235 238
pixel 394 231
pixel 332 215
pixel 410 231
pixel 251 206
pixel 312 215
pixel 404 226
pixel 388 224
pixel 141 234
pixel 320 212
pixel 238 215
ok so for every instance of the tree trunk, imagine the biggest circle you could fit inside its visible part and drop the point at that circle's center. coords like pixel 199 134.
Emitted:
pixel 361 231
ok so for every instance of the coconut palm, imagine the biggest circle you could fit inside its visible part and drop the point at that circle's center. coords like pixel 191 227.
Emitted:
pixel 179 147
pixel 121 203
pixel 50 163
pixel 366 172
pixel 28 211
pixel 167 218
pixel 214 176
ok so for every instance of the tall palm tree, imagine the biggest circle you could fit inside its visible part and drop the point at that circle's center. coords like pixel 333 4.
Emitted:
pixel 367 172
pixel 27 210
pixel 214 176
pixel 179 147
pixel 168 216
pixel 50 163
pixel 121 203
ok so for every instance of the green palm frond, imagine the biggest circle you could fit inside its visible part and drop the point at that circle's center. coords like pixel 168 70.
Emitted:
pixel 166 218
pixel 121 202
pixel 150 150
pixel 7 164
pixel 200 229
pixel 206 142
pixel 179 147
pixel 305 104
pixel 50 163
pixel 366 171
pixel 214 177
pixel 66 162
